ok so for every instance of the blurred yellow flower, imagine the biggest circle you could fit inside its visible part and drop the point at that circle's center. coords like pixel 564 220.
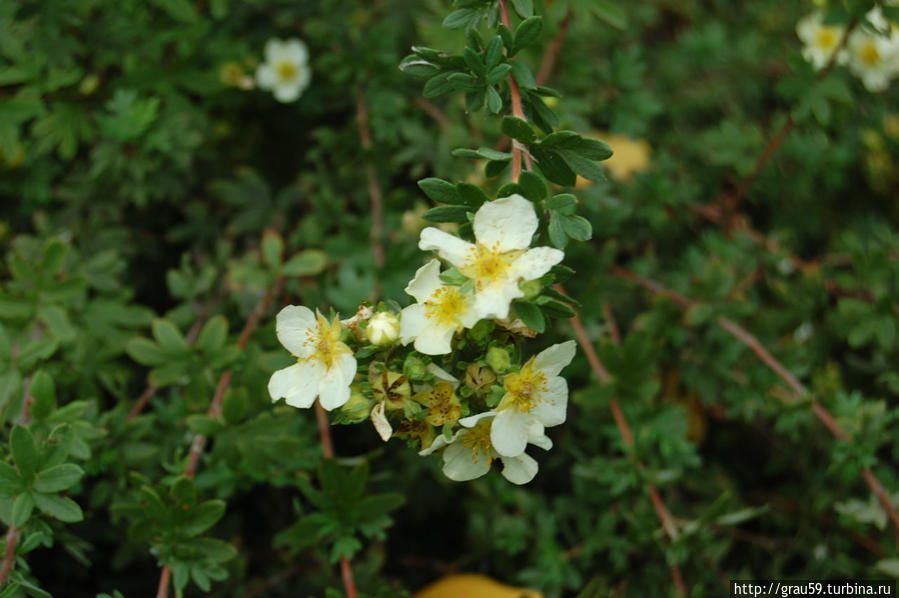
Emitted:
pixel 631 156
pixel 473 586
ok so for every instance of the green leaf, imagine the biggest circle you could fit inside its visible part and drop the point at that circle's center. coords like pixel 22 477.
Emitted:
pixel 532 186
pixel 460 18
pixel 169 337
pixel 495 168
pixel 180 10
pixel 509 189
pixel 146 352
pixel 272 249
pixel 519 129
pixel 203 424
pixel 54 258
pixel 204 516
pixel 474 62
pixel 24 452
pixel 524 8
pixel 581 165
pixel 10 482
pixel 482 152
pixel 471 195
pixel 577 227
pixel 345 546
pixel 527 32
pixel 564 203
pixel 43 391
pixel 57 322
pixel 494 102
pixel 523 75
pixel 554 307
pixel 610 12
pixel 447 214
pixel 531 315
pixel 440 191
pixel 418 67
pixel 58 478
pixel 493 55
pixel 235 405
pixel 213 334
pixel 553 166
pixel 497 74
pixel 438 85
pixel 61 507
pixel 557 235
pixel 306 263
pixel 36 350
pixel 22 508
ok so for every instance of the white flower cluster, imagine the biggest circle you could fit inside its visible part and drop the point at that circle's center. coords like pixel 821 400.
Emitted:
pixel 489 273
pixel 872 55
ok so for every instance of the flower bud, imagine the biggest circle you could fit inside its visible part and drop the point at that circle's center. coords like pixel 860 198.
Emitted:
pixel 357 408
pixel 415 368
pixel 383 328
pixel 498 359
pixel 479 377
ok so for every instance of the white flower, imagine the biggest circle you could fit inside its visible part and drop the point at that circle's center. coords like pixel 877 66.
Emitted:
pixel 285 70
pixel 383 328
pixel 500 258
pixel 470 453
pixel 535 396
pixel 874 57
pixel 325 366
pixel 441 311
pixel 820 40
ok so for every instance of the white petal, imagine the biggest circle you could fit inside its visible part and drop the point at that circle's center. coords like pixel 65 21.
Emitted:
pixel 471 420
pixel 451 248
pixel 297 384
pixel 435 339
pixel 493 301
pixel 379 420
pixel 439 442
pixel 287 92
pixel 535 262
pixel 519 470
pixel 295 51
pixel 334 389
pixel 274 50
pixel 551 360
pixel 509 432
pixel 293 324
pixel 425 282
pixel 265 76
pixel 507 223
pixel 412 322
pixel 541 440
pixel 552 406
pixel 460 464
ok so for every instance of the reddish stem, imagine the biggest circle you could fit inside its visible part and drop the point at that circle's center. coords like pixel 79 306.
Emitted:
pixel 517 108
pixel 552 52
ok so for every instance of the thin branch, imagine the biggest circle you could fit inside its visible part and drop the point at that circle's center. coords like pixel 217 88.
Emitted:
pixel 324 432
pixel 627 436
pixel 374 189
pixel 191 337
pixel 614 333
pixel 517 109
pixel 215 408
pixel 552 51
pixel 432 111
pixel 783 373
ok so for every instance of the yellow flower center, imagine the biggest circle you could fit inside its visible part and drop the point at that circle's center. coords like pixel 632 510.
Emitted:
pixel 869 55
pixel 827 38
pixel 286 71
pixel 477 439
pixel 445 305
pixel 524 388
pixel 488 264
pixel 325 342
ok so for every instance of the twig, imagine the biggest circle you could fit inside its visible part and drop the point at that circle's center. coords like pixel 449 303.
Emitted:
pixel 374 189
pixel 778 368
pixel 614 333
pixel 627 437
pixel 199 442
pixel 324 432
pixel 432 111
pixel 552 51
pixel 517 109
pixel 191 337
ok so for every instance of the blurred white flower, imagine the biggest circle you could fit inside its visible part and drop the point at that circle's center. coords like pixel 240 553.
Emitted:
pixel 470 453
pixel 536 397
pixel 441 311
pixel 383 328
pixel 500 257
pixel 820 40
pixel 874 56
pixel 325 366
pixel 285 71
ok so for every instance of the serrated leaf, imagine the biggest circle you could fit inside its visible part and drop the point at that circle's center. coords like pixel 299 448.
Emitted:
pixel 58 478
pixel 61 507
